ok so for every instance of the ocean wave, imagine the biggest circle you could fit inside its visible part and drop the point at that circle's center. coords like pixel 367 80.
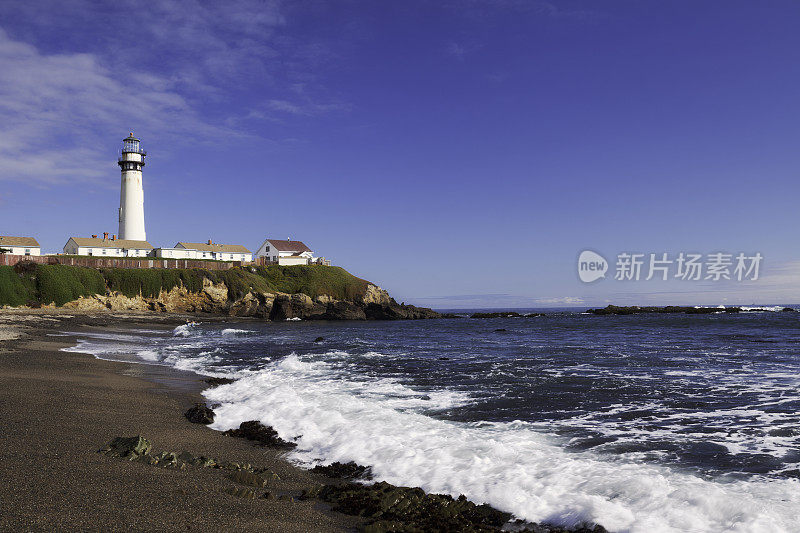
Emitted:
pixel 233 332
pixel 382 423
pixel 185 330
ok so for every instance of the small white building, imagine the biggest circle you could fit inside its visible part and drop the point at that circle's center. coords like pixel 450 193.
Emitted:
pixel 286 252
pixel 20 245
pixel 174 253
pixel 211 250
pixel 107 247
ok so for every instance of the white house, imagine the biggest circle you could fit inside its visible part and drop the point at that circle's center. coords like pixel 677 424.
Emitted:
pixel 175 253
pixel 107 247
pixel 217 252
pixel 20 245
pixel 286 252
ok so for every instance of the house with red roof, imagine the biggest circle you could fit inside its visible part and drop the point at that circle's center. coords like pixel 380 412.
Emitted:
pixel 286 252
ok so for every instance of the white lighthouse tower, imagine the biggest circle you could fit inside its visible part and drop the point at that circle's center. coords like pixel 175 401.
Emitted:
pixel 131 202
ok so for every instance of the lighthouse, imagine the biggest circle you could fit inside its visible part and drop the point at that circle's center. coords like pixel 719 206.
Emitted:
pixel 131 201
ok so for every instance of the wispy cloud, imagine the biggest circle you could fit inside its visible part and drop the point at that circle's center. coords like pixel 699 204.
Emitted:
pixel 499 300
pixel 306 108
pixel 182 74
pixel 456 50
pixel 55 108
pixel 562 300
pixel 778 284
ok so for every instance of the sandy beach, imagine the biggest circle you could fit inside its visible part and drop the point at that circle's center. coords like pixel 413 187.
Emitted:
pixel 57 409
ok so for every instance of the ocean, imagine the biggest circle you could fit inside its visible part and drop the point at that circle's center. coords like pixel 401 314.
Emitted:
pixel 642 423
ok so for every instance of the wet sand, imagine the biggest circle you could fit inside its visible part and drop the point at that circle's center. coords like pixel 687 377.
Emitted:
pixel 58 408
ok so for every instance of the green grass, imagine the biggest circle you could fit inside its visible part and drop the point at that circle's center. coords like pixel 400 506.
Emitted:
pixel 16 289
pixel 59 284
pixel 46 284
pixel 149 282
pixel 313 280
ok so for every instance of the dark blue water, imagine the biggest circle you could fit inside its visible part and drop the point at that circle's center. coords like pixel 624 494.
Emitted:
pixel 709 401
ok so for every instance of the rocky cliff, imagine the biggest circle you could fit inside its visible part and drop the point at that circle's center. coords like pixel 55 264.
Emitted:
pixel 215 298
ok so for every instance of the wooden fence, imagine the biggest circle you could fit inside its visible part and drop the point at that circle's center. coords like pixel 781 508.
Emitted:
pixel 113 262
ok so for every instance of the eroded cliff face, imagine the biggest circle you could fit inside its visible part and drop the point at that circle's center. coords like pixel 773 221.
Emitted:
pixel 374 304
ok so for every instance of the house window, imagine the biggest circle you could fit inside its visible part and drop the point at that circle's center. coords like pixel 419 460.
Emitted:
pixel 104 251
pixel 27 251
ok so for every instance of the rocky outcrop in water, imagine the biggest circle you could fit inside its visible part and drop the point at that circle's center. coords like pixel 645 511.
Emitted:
pixel 216 382
pixel 258 432
pixel 349 471
pixel 670 309
pixel 386 508
pixel 506 314
pixel 389 508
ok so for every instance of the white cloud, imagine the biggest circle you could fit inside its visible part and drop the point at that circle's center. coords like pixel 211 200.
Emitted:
pixel 308 108
pixel 56 110
pixel 191 71
pixel 563 300
pixel 456 50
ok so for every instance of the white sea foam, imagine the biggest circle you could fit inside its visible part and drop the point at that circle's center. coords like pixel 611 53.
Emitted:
pixel 233 332
pixel 509 465
pixel 184 330
pixel 148 355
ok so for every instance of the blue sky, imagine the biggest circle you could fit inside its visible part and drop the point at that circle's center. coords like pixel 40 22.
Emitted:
pixel 460 153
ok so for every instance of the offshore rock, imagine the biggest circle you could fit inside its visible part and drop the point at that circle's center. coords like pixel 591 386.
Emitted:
pixel 635 310
pixel 508 314
pixel 258 432
pixel 393 311
pixel 200 414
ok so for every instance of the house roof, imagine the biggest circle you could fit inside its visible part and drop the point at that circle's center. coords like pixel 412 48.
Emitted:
pixel 205 247
pixel 90 242
pixel 18 241
pixel 288 246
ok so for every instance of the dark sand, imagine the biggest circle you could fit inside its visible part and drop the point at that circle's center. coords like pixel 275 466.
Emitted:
pixel 57 409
